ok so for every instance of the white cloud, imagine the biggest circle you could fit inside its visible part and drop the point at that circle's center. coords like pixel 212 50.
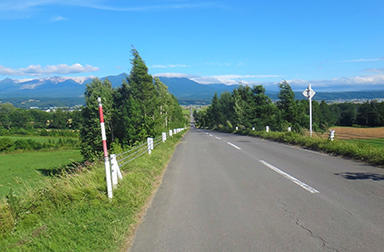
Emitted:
pixel 36 70
pixel 58 19
pixel 375 70
pixel 348 82
pixel 364 60
pixel 13 8
pixel 173 75
pixel 229 79
pixel 169 66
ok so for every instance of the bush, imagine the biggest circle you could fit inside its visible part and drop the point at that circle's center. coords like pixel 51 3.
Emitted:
pixel 5 144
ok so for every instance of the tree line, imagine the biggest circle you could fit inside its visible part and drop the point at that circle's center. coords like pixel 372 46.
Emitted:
pixel 12 118
pixel 142 107
pixel 248 107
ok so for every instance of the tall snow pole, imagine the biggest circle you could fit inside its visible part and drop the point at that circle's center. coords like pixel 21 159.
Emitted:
pixel 309 93
pixel 310 112
pixel 106 158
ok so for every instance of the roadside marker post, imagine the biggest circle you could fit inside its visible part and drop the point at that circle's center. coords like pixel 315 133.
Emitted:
pixel 309 93
pixel 106 158
pixel 331 135
pixel 149 145
pixel 170 133
pixel 115 168
pixel 289 129
pixel 267 129
pixel 164 137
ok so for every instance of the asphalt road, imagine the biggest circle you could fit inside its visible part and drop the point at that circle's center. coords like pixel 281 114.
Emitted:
pixel 224 192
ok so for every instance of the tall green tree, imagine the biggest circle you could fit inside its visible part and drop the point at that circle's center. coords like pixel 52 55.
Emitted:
pixel 287 105
pixel 136 104
pixel 90 132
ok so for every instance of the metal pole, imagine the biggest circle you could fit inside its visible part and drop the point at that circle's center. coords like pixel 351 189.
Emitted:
pixel 106 158
pixel 310 116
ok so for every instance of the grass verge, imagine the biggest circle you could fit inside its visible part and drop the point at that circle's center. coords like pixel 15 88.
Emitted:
pixel 72 213
pixel 356 150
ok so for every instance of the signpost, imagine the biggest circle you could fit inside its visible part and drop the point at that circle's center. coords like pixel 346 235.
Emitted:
pixel 309 93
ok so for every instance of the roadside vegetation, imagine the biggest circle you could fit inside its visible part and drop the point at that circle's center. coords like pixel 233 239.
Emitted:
pixel 248 111
pixel 53 197
pixel 72 212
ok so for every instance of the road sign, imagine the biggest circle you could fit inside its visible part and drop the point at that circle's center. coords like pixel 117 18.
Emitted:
pixel 309 93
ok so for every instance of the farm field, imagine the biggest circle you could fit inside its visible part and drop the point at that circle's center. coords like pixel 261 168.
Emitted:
pixel 358 133
pixel 19 170
pixel 373 137
pixel 40 139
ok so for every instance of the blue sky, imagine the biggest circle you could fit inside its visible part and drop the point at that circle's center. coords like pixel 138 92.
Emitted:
pixel 209 41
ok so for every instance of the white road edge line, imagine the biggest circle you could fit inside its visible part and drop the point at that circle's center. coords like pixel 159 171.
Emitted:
pixel 293 179
pixel 218 138
pixel 231 144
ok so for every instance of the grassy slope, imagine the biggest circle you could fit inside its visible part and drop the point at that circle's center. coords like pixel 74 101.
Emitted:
pixel 73 213
pixel 20 169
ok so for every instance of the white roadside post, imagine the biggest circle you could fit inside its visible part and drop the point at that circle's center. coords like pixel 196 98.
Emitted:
pixel 170 133
pixel 332 135
pixel 152 143
pixel 309 93
pixel 289 129
pixel 106 158
pixel 253 128
pixel 115 168
pixel 237 128
pixel 267 129
pixel 149 145
pixel 164 136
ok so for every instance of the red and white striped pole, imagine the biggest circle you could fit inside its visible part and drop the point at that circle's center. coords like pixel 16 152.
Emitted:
pixel 106 158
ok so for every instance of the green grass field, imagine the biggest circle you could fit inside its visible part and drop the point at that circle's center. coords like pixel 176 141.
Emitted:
pixel 27 168
pixel 374 142
pixel 40 139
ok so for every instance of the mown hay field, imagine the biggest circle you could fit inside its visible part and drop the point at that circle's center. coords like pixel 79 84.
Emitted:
pixel 358 133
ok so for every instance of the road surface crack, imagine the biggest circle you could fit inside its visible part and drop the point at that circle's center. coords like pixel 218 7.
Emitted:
pixel 324 243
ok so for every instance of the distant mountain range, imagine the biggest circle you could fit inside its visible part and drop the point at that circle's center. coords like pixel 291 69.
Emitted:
pixel 186 90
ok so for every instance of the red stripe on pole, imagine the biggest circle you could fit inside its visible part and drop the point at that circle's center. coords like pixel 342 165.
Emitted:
pixel 101 113
pixel 105 148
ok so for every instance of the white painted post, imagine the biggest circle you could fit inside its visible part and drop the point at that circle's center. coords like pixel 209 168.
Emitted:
pixel 289 129
pixel 164 136
pixel 310 114
pixel 332 135
pixel 237 128
pixel 149 145
pixel 253 128
pixel 170 133
pixel 114 167
pixel 267 129
pixel 174 131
